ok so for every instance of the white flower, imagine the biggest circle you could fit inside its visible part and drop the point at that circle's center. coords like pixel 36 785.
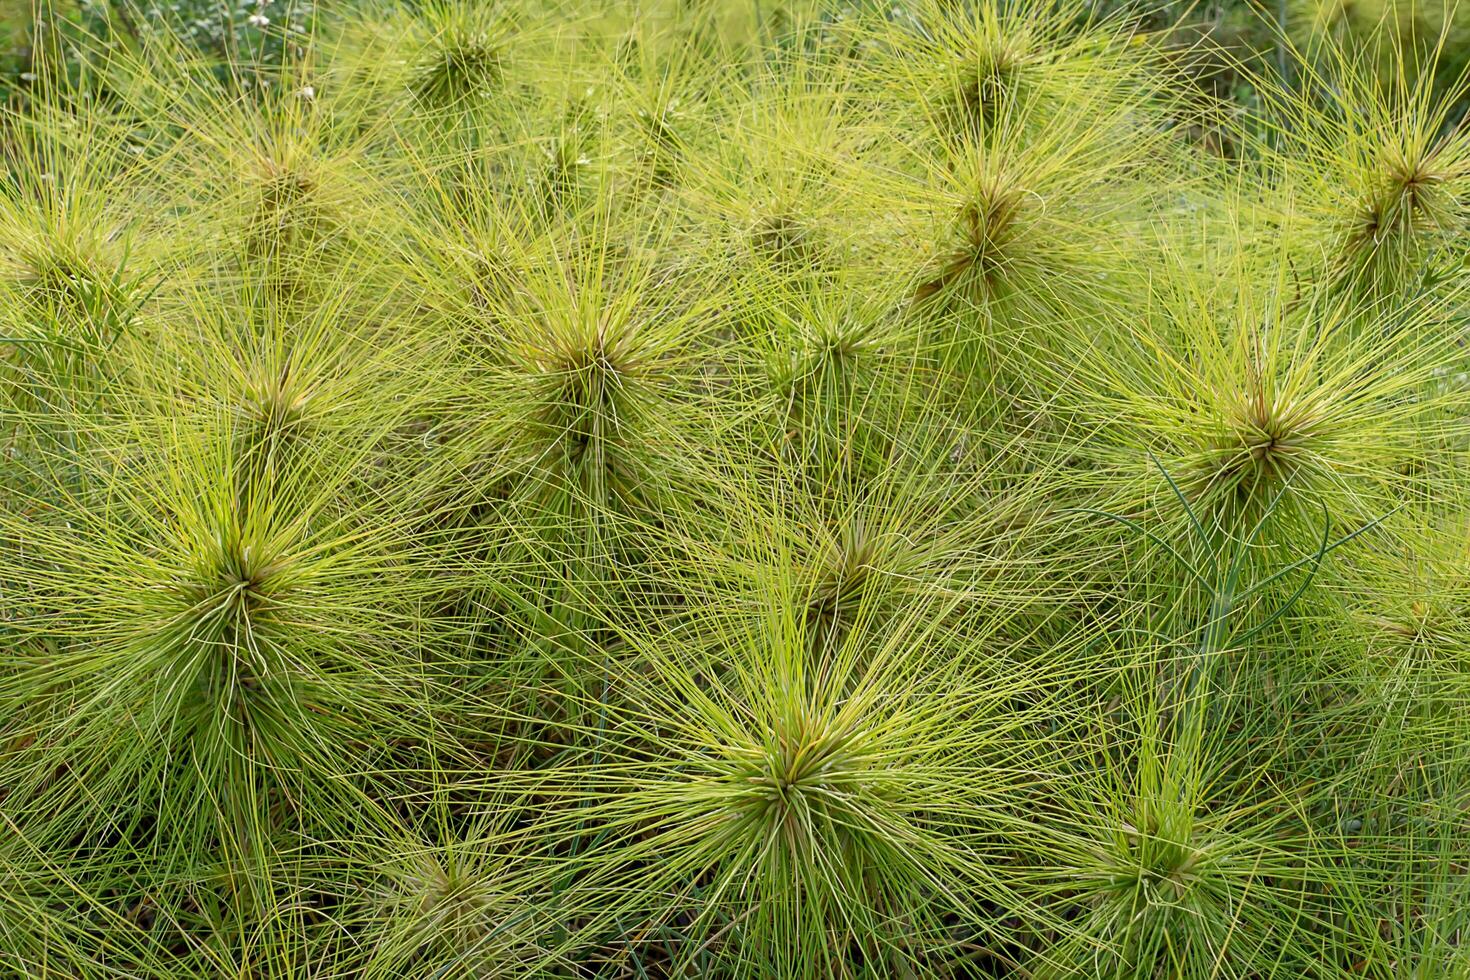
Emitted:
pixel 259 20
pixel 307 92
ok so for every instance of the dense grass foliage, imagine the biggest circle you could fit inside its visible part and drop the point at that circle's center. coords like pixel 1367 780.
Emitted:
pixel 782 490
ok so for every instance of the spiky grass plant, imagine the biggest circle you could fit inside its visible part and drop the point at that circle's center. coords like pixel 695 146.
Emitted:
pixel 1018 180
pixel 1248 398
pixel 194 610
pixel 794 815
pixel 1376 176
pixel 810 489
pixel 74 273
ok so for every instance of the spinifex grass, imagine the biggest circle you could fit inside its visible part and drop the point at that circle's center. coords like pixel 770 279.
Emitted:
pixel 794 490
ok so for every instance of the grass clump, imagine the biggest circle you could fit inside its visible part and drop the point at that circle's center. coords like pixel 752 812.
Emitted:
pixel 806 490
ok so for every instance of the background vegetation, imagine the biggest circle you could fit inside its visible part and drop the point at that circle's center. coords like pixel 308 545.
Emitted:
pixel 692 489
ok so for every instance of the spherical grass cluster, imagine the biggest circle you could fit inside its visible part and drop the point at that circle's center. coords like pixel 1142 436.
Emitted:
pixel 798 490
